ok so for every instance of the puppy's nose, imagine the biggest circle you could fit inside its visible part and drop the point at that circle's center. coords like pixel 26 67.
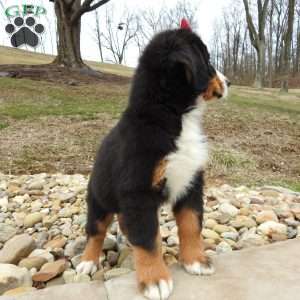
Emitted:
pixel 228 82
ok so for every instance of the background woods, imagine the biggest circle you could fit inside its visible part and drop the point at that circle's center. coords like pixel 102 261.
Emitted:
pixel 259 43
pixel 54 116
pixel 254 42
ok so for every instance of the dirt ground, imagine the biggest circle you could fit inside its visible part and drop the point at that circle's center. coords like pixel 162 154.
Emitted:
pixel 57 127
pixel 57 74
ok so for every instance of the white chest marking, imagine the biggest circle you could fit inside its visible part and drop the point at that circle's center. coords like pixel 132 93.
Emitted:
pixel 190 156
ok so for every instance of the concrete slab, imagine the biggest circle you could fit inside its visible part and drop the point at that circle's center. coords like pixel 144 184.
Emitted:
pixel 265 273
pixel 270 272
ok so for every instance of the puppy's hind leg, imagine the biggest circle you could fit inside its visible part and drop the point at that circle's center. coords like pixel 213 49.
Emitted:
pixel 97 224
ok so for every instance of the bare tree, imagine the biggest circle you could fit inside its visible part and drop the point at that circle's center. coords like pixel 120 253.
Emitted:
pixel 232 44
pixel 279 25
pixel 99 35
pixel 68 14
pixel 270 44
pixel 182 9
pixel 151 22
pixel 118 35
pixel 288 35
pixel 297 48
pixel 257 37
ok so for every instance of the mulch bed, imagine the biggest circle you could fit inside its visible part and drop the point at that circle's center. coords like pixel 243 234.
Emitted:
pixel 55 73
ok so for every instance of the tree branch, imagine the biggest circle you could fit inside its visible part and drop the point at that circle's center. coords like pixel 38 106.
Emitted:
pixel 86 7
pixel 252 31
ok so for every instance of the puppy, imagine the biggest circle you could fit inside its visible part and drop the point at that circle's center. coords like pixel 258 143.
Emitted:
pixel 156 154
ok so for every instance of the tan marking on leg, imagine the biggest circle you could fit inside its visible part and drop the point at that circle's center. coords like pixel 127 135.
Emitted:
pixel 191 242
pixel 150 266
pixel 215 88
pixel 159 173
pixel 94 245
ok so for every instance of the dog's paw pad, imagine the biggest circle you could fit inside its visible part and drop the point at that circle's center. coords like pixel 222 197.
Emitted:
pixel 198 268
pixel 86 267
pixel 160 291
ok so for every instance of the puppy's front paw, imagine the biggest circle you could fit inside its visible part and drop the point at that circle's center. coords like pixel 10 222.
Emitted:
pixel 159 291
pixel 200 268
pixel 87 267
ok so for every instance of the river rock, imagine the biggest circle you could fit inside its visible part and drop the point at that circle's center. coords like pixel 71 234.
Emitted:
pixel 50 271
pixel 266 215
pixel 228 209
pixel 219 228
pixel 269 227
pixel 251 240
pixel 3 201
pixel 42 253
pixel 243 221
pixel 295 209
pixel 41 238
pixel 57 242
pixel 36 184
pixel 48 221
pixel 70 276
pixel 32 219
pixel 278 237
pixel 110 242
pixel 32 262
pixel 16 248
pixel 223 247
pixel 12 277
pixel 210 234
pixel 75 247
pixel 210 223
pixel 230 235
pixel 6 232
pixel 112 257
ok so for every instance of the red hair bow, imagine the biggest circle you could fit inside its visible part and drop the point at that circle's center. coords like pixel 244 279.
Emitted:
pixel 185 24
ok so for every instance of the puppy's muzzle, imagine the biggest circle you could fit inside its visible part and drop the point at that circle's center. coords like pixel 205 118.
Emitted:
pixel 217 87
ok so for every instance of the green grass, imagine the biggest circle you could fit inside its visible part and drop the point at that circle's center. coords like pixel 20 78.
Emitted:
pixel 267 104
pixel 229 159
pixel 3 125
pixel 33 99
pixel 254 135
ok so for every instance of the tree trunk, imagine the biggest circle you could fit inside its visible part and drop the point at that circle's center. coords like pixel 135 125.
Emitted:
pixel 260 66
pixel 257 38
pixel 270 46
pixel 68 50
pixel 287 47
pixel 297 69
pixel 98 36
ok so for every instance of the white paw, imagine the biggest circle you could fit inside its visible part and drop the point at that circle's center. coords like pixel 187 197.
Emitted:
pixel 86 267
pixel 197 268
pixel 160 291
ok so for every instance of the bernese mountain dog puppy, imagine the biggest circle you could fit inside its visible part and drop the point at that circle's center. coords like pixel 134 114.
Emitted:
pixel 156 154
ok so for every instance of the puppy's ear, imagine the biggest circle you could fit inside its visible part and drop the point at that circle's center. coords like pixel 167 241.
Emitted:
pixel 184 62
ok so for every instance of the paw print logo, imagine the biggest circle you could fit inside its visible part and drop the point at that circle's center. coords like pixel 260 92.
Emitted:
pixel 24 32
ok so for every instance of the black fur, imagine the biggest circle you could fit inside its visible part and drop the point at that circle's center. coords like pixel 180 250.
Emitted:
pixel 173 70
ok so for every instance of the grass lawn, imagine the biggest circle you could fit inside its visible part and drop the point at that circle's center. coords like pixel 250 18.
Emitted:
pixel 10 55
pixel 46 127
